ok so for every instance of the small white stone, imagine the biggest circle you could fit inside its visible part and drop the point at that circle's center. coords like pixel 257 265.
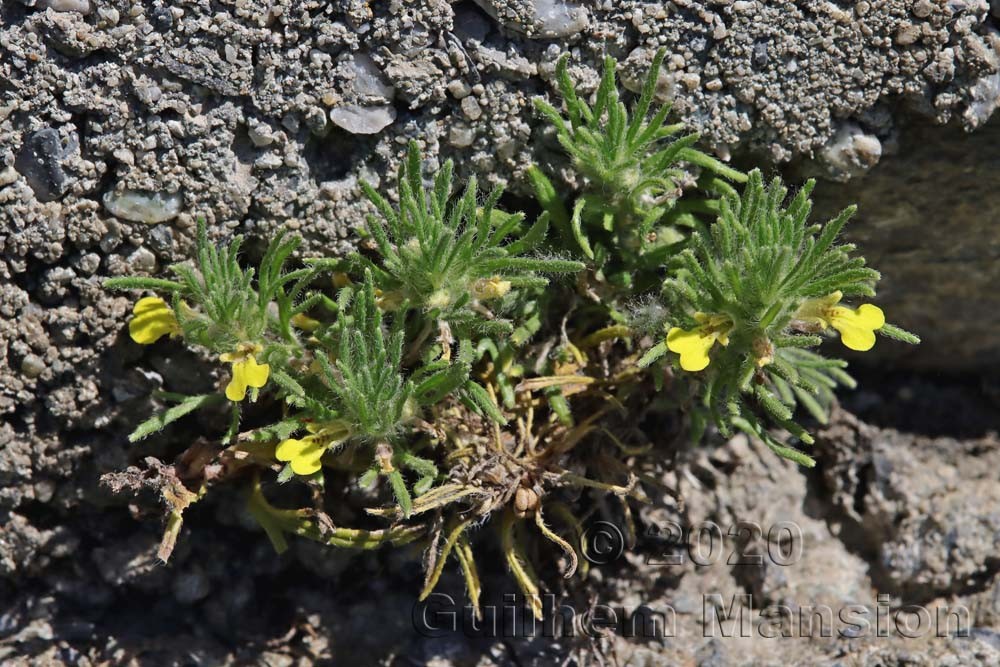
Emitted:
pixel 7 176
pixel 260 134
pixel 459 89
pixel 142 260
pixel 984 100
pixel 357 119
pixel 32 366
pixel 851 152
pixel 79 6
pixel 550 19
pixel 369 81
pixel 471 108
pixel 461 136
pixel 554 18
pixel 124 155
pixel 139 206
pixel 268 161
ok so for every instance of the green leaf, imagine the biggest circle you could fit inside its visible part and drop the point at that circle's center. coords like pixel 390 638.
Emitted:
pixel 286 382
pixel 402 494
pixel 158 422
pixel 653 354
pixel 531 238
pixel 137 282
pixel 894 332
pixel 479 400
pixel 549 200
pixel 578 233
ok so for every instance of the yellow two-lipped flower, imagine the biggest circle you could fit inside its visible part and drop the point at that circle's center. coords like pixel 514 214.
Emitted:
pixel 857 327
pixel 694 344
pixel 305 454
pixel 152 319
pixel 246 371
pixel 485 289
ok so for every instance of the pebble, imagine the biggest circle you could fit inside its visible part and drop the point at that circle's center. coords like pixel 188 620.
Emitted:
pixel 161 239
pixel 191 586
pixel 369 81
pixel 40 161
pixel 142 206
pixel 459 89
pixel 461 136
pixel 554 18
pixel 357 119
pixel 88 264
pixel 549 18
pixel 148 93
pixel 907 35
pixel 32 366
pixel 7 176
pixel 268 161
pixel 922 8
pixel 690 80
pixel 110 15
pixel 260 134
pixel 851 151
pixel 142 260
pixel 79 6
pixel 760 55
pixel 471 108
pixel 984 99
pixel 315 118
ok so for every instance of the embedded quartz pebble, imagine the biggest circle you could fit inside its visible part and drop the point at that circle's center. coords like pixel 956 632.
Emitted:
pixel 357 119
pixel 547 19
pixel 140 206
pixel 369 80
pixel 79 6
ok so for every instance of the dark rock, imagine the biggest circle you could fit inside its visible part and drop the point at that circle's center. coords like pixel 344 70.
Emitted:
pixel 162 18
pixel 40 162
pixel 927 220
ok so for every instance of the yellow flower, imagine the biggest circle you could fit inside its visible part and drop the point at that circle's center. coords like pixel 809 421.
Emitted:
pixel 246 371
pixel 763 350
pixel 152 319
pixel 304 322
pixel 490 288
pixel 693 345
pixel 305 454
pixel 857 327
pixel 388 301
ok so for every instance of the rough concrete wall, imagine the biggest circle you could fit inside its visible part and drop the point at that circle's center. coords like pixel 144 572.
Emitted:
pixel 120 121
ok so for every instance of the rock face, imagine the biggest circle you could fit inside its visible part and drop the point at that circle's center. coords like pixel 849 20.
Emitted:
pixel 929 219
pixel 906 503
pixel 122 121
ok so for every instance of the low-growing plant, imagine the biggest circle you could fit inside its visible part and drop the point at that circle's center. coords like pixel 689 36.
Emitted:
pixel 632 210
pixel 450 361
pixel 749 296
